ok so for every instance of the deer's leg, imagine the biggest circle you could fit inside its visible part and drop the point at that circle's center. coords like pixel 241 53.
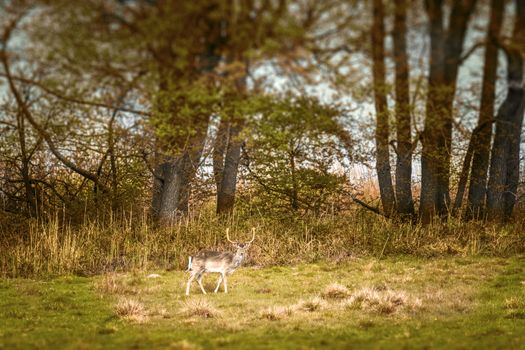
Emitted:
pixel 225 283
pixel 188 285
pixel 218 284
pixel 199 281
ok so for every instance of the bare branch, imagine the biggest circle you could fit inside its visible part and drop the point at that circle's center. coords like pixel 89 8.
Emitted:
pixel 470 51
pixel 71 99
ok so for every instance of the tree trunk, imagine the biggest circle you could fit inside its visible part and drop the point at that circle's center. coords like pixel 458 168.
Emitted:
pixel 219 148
pixel 227 150
pixel 382 128
pixel 467 161
pixel 481 148
pixel 504 163
pixel 405 203
pixel 445 55
pixel 30 198
pixel 463 176
pixel 228 184
pixel 294 193
pixel 172 184
pixel 429 137
pixel 174 176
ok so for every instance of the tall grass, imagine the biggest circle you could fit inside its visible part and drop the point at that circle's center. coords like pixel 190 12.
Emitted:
pixel 52 247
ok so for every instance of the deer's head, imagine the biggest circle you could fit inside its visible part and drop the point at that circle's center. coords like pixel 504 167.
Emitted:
pixel 241 246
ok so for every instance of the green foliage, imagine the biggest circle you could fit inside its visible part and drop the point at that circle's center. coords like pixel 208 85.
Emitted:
pixel 181 110
pixel 293 155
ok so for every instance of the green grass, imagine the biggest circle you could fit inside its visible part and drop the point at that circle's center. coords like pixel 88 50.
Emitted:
pixel 402 302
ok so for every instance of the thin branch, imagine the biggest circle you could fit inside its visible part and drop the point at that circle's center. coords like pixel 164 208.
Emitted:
pixel 43 182
pixel 367 206
pixel 71 99
pixel 150 168
pixel 394 146
pixel 470 51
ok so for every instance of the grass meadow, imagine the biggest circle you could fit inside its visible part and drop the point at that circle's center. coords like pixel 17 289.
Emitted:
pixel 347 282
pixel 395 303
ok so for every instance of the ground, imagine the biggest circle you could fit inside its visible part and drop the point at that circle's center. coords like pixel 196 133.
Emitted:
pixel 402 302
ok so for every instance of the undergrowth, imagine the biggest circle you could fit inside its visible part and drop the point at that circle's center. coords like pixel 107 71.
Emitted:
pixel 52 247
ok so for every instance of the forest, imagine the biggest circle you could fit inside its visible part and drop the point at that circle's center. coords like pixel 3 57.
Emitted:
pixel 357 163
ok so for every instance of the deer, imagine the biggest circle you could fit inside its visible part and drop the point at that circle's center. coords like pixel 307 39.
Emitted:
pixel 223 262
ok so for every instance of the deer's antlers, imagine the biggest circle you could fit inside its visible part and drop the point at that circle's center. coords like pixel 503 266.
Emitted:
pixel 228 236
pixel 229 240
pixel 253 235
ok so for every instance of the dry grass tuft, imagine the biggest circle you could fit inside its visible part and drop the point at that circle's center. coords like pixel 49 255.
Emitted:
pixel 515 307
pixel 311 305
pixel 109 284
pixel 515 303
pixel 275 313
pixel 112 283
pixel 383 301
pixel 131 310
pixel 199 307
pixel 183 345
pixel 335 291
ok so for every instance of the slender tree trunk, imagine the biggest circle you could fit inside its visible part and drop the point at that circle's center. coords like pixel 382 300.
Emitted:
pixel 429 137
pixel 382 126
pixel 445 55
pixel 219 148
pixel 294 194
pixel 467 161
pixel 31 205
pixel 227 150
pixel 463 177
pixel 113 162
pixel 228 184
pixel 481 148
pixel 405 203
pixel 504 162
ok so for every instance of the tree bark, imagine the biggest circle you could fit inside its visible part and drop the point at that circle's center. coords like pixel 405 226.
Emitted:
pixel 227 150
pixel 228 186
pixel 481 148
pixel 172 183
pixel 294 191
pixel 504 163
pixel 429 138
pixel 467 161
pixel 382 126
pixel 219 148
pixel 445 55
pixel 30 198
pixel 405 203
